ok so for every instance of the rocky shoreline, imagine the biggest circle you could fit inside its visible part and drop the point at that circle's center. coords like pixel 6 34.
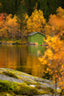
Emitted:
pixel 16 83
pixel 20 43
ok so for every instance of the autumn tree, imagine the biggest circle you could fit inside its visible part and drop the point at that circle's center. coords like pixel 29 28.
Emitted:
pixel 12 26
pixel 2 24
pixel 53 60
pixel 9 27
pixel 36 21
pixel 55 24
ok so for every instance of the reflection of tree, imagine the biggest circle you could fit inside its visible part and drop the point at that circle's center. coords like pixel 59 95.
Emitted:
pixel 29 60
pixel 36 68
pixel 8 57
pixel 17 57
pixel 33 66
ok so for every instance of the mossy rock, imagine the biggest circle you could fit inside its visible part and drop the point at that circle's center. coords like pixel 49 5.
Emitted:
pixel 23 84
pixel 17 88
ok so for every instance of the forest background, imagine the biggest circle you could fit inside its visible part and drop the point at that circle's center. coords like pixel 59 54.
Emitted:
pixel 20 17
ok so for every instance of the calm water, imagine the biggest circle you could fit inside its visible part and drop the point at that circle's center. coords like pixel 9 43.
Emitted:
pixel 23 58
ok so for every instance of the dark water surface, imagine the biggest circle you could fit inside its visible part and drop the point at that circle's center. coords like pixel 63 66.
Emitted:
pixel 22 57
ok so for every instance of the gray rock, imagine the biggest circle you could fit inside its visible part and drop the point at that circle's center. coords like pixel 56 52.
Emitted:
pixel 46 85
pixel 4 77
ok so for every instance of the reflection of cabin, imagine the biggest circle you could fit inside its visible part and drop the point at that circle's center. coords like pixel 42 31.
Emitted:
pixel 36 38
pixel 36 50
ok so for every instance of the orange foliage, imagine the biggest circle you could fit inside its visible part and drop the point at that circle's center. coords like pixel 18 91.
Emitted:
pixel 55 24
pixel 60 12
pixel 53 59
pixel 12 26
pixel 3 16
pixel 9 26
pixel 35 22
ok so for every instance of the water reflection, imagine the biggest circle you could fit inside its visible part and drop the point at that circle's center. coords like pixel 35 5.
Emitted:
pixel 36 50
pixel 23 58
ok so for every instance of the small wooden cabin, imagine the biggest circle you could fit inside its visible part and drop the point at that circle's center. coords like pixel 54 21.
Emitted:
pixel 36 38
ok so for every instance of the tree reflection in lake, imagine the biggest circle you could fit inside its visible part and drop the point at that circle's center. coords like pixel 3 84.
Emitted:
pixel 23 58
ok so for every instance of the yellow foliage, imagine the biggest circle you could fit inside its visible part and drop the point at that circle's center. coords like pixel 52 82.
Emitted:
pixel 55 24
pixel 26 16
pixel 60 12
pixel 56 21
pixel 53 59
pixel 9 27
pixel 36 21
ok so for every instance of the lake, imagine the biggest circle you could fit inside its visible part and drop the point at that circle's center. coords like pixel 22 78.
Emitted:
pixel 22 57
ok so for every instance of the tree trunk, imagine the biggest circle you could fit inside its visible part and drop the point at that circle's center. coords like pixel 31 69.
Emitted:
pixel 55 86
pixel 61 93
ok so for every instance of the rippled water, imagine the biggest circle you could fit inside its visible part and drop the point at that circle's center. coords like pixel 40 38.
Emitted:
pixel 22 57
